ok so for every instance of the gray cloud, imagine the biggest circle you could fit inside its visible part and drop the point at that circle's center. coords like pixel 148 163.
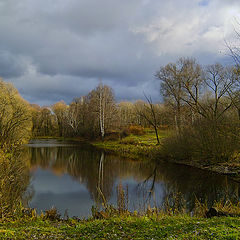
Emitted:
pixel 54 50
pixel 11 65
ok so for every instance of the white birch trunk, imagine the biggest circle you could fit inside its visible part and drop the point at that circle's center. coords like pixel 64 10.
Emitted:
pixel 101 113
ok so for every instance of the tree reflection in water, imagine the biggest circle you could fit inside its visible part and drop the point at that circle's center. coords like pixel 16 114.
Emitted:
pixel 14 181
pixel 146 180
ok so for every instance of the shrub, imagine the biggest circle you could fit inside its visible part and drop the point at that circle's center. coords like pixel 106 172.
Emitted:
pixel 205 140
pixel 111 136
pixel 124 133
pixel 136 130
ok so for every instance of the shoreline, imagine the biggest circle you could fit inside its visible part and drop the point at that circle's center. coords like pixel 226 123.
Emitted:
pixel 152 152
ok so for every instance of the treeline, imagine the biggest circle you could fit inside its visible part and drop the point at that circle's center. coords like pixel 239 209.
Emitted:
pixel 95 115
pixel 201 104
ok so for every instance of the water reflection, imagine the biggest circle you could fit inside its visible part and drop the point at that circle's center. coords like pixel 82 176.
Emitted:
pixel 14 181
pixel 67 175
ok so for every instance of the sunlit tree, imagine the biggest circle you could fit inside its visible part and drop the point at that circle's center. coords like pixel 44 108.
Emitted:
pixel 15 117
pixel 60 110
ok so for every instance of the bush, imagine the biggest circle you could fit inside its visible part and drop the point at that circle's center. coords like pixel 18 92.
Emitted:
pixel 124 133
pixel 112 136
pixel 205 140
pixel 178 146
pixel 136 130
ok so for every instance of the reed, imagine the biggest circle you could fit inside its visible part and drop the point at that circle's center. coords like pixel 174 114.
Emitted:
pixel 174 205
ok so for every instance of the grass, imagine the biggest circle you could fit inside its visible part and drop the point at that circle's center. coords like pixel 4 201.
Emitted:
pixel 135 146
pixel 119 223
pixel 177 227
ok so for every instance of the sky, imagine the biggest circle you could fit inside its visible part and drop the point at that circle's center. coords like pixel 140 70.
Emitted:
pixel 54 50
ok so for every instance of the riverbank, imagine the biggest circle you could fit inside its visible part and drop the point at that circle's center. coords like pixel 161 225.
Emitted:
pixel 145 147
pixel 230 169
pixel 174 227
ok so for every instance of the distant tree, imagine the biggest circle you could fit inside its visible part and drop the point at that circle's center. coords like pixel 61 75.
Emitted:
pixel 126 113
pixel 210 93
pixel 73 116
pixel 171 87
pixel 46 122
pixel 103 104
pixel 181 85
pixel 35 112
pixel 219 83
pixel 60 110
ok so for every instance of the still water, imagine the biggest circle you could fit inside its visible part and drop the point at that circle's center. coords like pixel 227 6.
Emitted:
pixel 66 175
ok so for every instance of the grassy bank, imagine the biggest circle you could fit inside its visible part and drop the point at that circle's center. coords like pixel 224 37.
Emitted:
pixel 182 227
pixel 135 146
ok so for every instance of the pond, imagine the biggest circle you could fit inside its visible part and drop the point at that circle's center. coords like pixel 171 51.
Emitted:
pixel 68 175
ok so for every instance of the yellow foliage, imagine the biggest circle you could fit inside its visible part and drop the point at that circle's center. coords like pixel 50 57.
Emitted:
pixel 15 117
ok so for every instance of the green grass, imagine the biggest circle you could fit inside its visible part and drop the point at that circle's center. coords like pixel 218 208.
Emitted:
pixel 135 146
pixel 125 228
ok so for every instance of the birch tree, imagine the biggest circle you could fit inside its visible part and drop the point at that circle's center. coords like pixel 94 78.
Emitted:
pixel 103 104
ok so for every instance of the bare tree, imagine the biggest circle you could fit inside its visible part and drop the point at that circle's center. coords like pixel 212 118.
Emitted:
pixel 220 85
pixel 234 50
pixel 192 78
pixel 149 113
pixel 175 79
pixel 73 116
pixel 126 113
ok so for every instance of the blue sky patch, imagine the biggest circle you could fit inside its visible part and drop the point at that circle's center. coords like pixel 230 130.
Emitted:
pixel 204 3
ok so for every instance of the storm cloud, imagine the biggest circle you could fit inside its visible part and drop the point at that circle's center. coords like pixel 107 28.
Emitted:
pixel 54 50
